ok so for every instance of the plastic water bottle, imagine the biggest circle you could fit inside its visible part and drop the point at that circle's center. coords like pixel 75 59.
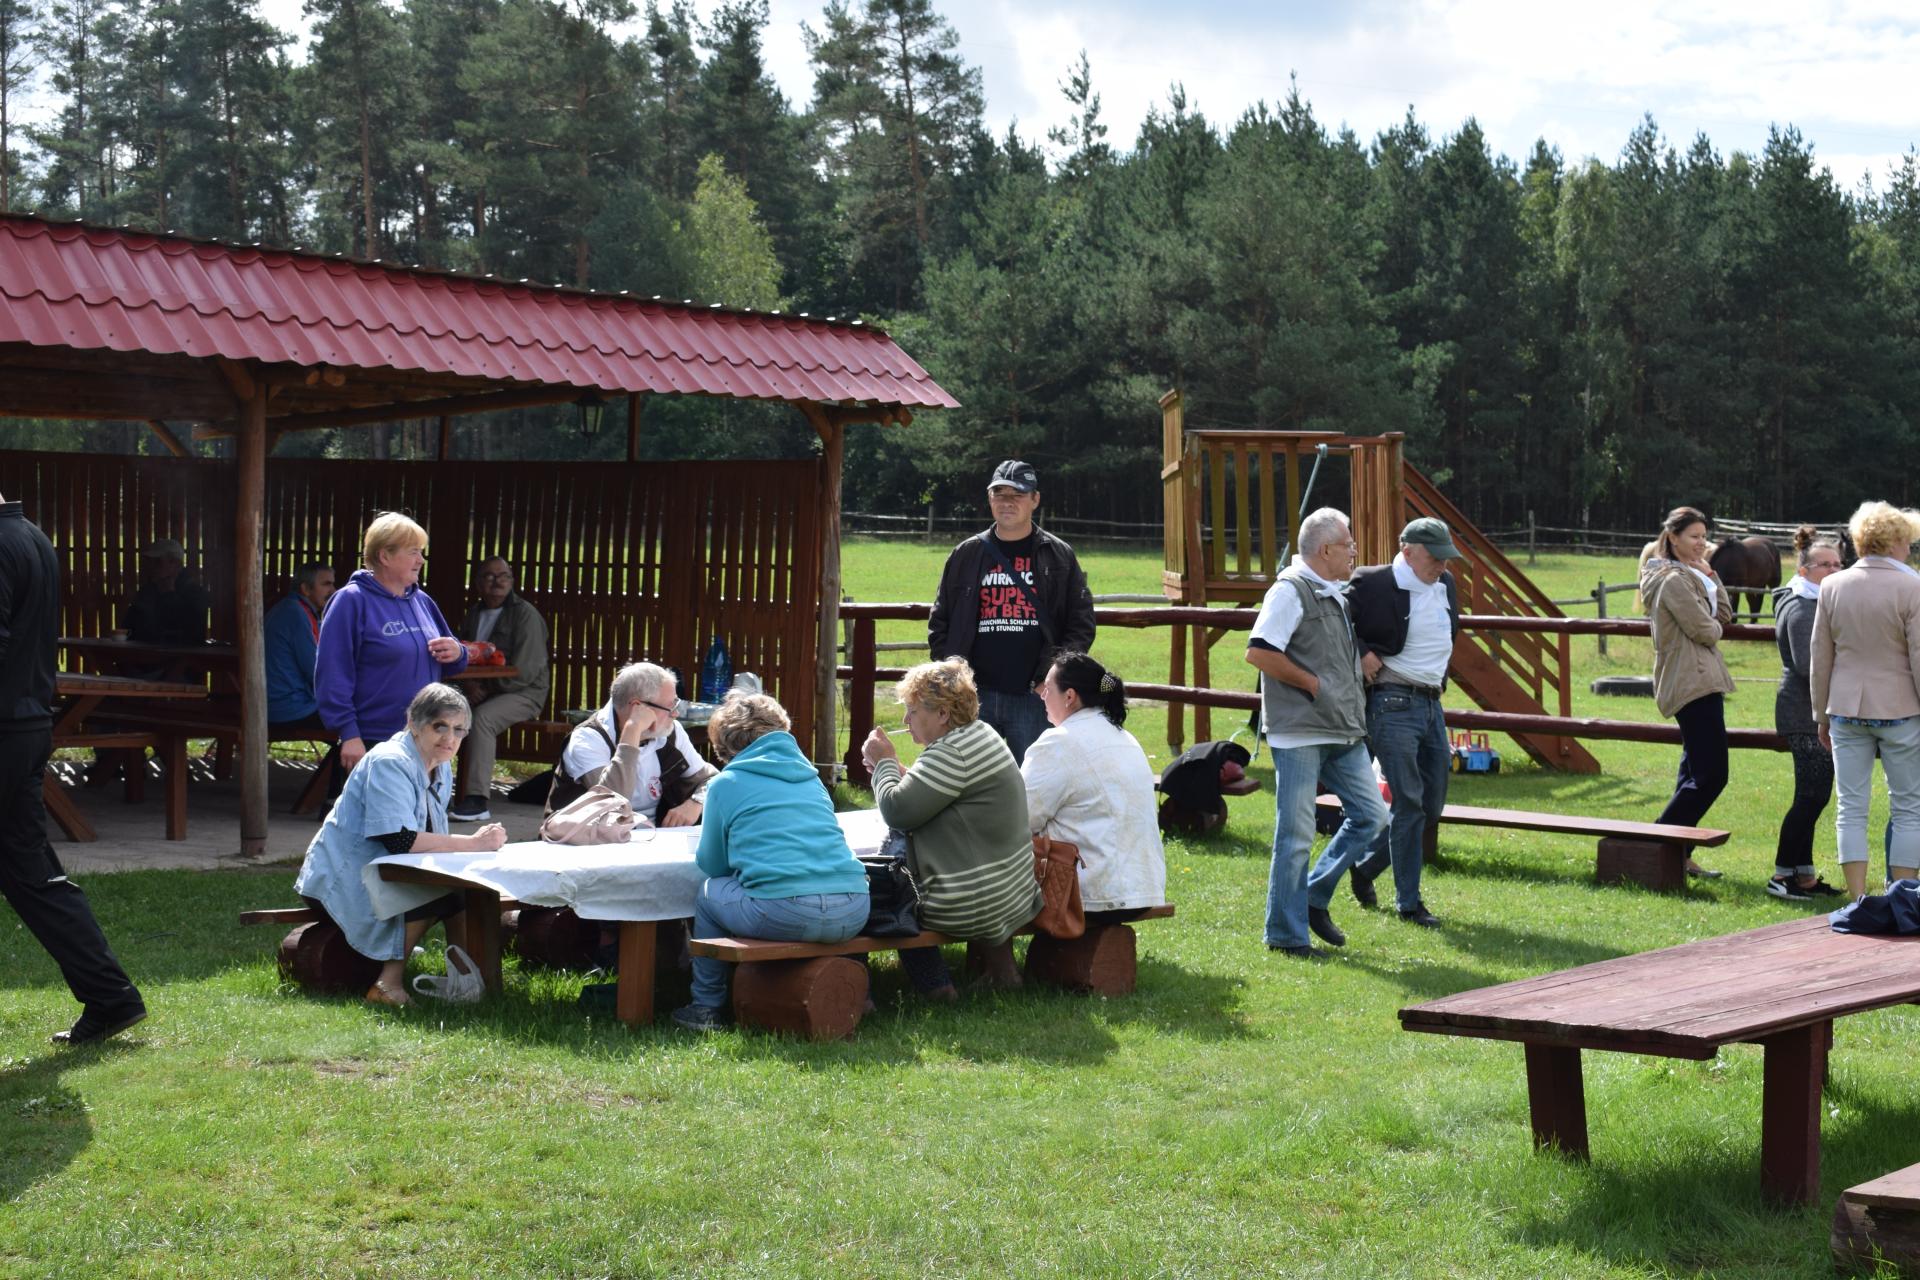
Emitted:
pixel 716 673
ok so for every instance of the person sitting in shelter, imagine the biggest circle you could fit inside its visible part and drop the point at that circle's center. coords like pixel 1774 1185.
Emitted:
pixel 395 802
pixel 1089 784
pixel 636 746
pixel 292 641
pixel 777 863
pixel 382 640
pixel 170 606
pixel 504 619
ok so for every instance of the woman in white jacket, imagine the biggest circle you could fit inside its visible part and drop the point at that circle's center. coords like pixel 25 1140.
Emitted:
pixel 1089 784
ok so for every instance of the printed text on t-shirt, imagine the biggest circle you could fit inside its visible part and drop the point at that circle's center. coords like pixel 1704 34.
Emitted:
pixel 1002 606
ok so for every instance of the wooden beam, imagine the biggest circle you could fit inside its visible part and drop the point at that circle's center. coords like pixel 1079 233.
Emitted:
pixel 250 622
pixel 167 438
pixel 833 437
pixel 633 426
pixel 446 436
pixel 824 416
pixel 405 410
pixel 99 395
pixel 238 379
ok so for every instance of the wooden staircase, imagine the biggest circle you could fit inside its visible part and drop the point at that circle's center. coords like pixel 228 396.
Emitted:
pixel 1504 670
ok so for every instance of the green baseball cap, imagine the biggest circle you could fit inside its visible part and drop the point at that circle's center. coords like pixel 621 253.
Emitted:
pixel 1433 535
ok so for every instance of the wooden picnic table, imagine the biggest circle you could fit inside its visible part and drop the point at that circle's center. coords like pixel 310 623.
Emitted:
pixel 487 673
pixel 1779 987
pixel 82 696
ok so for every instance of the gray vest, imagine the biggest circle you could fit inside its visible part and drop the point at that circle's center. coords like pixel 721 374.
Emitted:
pixel 1324 644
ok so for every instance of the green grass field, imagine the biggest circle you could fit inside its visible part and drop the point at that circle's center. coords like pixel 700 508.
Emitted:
pixel 1241 1114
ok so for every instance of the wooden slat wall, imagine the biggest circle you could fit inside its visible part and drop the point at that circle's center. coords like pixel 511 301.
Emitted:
pixel 625 562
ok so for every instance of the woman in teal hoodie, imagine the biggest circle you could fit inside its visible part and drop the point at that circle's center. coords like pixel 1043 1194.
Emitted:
pixel 777 863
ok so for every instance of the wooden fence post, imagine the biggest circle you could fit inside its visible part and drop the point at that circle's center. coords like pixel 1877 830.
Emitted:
pixel 860 701
pixel 1531 557
pixel 1600 605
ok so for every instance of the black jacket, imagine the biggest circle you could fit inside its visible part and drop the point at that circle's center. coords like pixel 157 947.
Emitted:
pixel 29 622
pixel 1066 605
pixel 1380 608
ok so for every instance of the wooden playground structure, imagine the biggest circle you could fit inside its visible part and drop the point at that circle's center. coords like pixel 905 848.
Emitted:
pixel 1232 511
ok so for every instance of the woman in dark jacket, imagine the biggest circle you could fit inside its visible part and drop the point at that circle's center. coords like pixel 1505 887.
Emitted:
pixel 1793 610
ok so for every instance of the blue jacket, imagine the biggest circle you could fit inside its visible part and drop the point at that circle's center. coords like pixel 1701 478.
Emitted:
pixel 290 652
pixel 373 657
pixel 770 822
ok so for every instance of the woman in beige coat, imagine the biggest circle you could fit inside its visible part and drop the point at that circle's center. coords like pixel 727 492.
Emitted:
pixel 1688 606
pixel 1864 671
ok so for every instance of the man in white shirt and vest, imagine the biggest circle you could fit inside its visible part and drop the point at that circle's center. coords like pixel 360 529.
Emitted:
pixel 1313 711
pixel 1407 614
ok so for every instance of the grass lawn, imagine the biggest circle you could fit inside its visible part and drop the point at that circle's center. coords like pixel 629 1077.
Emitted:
pixel 1242 1114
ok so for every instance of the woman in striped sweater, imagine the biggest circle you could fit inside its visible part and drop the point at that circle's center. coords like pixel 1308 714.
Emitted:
pixel 964 806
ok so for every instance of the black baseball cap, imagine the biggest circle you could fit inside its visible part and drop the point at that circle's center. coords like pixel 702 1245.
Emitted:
pixel 1016 474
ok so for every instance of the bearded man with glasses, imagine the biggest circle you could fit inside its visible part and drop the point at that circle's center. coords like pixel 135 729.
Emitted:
pixel 636 746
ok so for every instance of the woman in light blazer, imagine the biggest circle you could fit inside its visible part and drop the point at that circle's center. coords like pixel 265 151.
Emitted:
pixel 1865 678
pixel 1688 606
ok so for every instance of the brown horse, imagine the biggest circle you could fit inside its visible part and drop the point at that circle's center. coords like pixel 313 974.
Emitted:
pixel 1750 566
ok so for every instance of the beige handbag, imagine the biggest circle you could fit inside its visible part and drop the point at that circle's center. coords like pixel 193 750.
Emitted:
pixel 600 815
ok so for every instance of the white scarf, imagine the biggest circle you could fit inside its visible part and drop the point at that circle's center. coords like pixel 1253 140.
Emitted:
pixel 1802 589
pixel 1321 587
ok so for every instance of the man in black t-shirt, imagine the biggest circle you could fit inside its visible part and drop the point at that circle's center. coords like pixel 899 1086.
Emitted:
pixel 1010 597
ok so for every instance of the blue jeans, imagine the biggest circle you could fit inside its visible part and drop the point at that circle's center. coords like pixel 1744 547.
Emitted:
pixel 1018 717
pixel 1408 736
pixel 1297 772
pixel 724 910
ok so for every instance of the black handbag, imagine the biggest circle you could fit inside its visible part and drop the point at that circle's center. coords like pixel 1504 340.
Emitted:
pixel 894 910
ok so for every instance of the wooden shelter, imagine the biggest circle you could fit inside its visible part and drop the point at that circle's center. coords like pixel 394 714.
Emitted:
pixel 202 339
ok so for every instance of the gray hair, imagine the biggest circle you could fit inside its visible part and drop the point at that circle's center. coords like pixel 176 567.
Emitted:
pixel 741 720
pixel 637 681
pixel 436 700
pixel 309 573
pixel 1328 524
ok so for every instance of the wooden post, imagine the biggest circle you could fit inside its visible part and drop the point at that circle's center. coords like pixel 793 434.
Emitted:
pixel 1600 610
pixel 1557 1099
pixel 929 537
pixel 250 616
pixel 446 436
pixel 1531 557
pixel 633 426
pixel 862 657
pixel 826 732
pixel 1795 1068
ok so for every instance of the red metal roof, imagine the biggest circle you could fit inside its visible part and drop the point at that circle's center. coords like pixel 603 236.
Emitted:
pixel 73 285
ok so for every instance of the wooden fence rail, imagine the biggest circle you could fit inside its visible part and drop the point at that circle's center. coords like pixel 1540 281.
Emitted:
pixel 862 674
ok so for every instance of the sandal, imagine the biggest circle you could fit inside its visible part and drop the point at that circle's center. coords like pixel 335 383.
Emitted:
pixel 377 994
pixel 1703 873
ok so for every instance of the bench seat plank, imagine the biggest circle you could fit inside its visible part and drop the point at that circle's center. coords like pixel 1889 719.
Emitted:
pixel 757 950
pixel 1897 1190
pixel 1465 815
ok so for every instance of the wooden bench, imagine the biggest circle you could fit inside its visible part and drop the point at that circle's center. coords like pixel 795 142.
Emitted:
pixel 1650 853
pixel 1876 1226
pixel 1779 987
pixel 315 956
pixel 817 989
pixel 224 730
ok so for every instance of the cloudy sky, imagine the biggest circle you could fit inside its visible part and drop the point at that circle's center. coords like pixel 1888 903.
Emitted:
pixel 1576 72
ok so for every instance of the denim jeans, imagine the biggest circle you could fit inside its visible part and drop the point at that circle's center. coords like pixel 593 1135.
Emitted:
pixel 1853 750
pixel 1019 718
pixel 1408 736
pixel 1297 772
pixel 723 910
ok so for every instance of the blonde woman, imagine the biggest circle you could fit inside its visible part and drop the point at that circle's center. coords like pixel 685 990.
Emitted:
pixel 1688 607
pixel 1865 679
pixel 963 806
pixel 382 640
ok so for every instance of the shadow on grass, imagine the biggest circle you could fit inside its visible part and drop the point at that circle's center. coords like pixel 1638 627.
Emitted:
pixel 43 1123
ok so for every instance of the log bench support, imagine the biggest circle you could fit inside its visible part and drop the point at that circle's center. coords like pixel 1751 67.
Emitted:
pixel 819 999
pixel 1660 865
pixel 1876 1226
pixel 1102 961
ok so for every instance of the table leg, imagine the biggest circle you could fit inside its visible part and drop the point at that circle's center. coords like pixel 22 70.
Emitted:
pixel 1795 1066
pixel 62 809
pixel 633 997
pixel 478 931
pixel 1556 1099
pixel 174 757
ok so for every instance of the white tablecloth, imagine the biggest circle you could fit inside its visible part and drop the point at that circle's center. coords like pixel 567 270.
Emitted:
pixel 651 878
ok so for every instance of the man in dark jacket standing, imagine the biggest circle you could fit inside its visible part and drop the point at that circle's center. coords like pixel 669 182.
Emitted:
pixel 1009 598
pixel 31 878
pixel 1405 616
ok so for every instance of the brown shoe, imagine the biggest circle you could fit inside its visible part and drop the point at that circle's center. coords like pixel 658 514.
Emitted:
pixel 377 994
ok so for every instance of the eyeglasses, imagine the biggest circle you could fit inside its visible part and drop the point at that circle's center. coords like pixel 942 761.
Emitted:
pixel 496 577
pixel 677 710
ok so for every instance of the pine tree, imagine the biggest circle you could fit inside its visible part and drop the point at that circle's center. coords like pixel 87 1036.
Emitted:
pixel 67 43
pixel 356 81
pixel 237 140
pixel 19 24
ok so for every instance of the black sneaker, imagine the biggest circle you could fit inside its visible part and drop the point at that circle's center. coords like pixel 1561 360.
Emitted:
pixel 1299 953
pixel 1421 916
pixel 1821 889
pixel 1787 887
pixel 469 809
pixel 94 1025
pixel 702 1017
pixel 1363 891
pixel 1321 922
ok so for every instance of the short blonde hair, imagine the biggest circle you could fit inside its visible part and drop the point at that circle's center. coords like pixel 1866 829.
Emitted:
pixel 1879 527
pixel 946 686
pixel 390 531
pixel 741 720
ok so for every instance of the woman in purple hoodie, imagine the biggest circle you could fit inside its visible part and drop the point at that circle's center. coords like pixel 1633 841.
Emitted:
pixel 382 640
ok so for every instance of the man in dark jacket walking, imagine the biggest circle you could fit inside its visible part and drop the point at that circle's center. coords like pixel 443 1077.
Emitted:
pixel 1009 598
pixel 31 878
pixel 1405 616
